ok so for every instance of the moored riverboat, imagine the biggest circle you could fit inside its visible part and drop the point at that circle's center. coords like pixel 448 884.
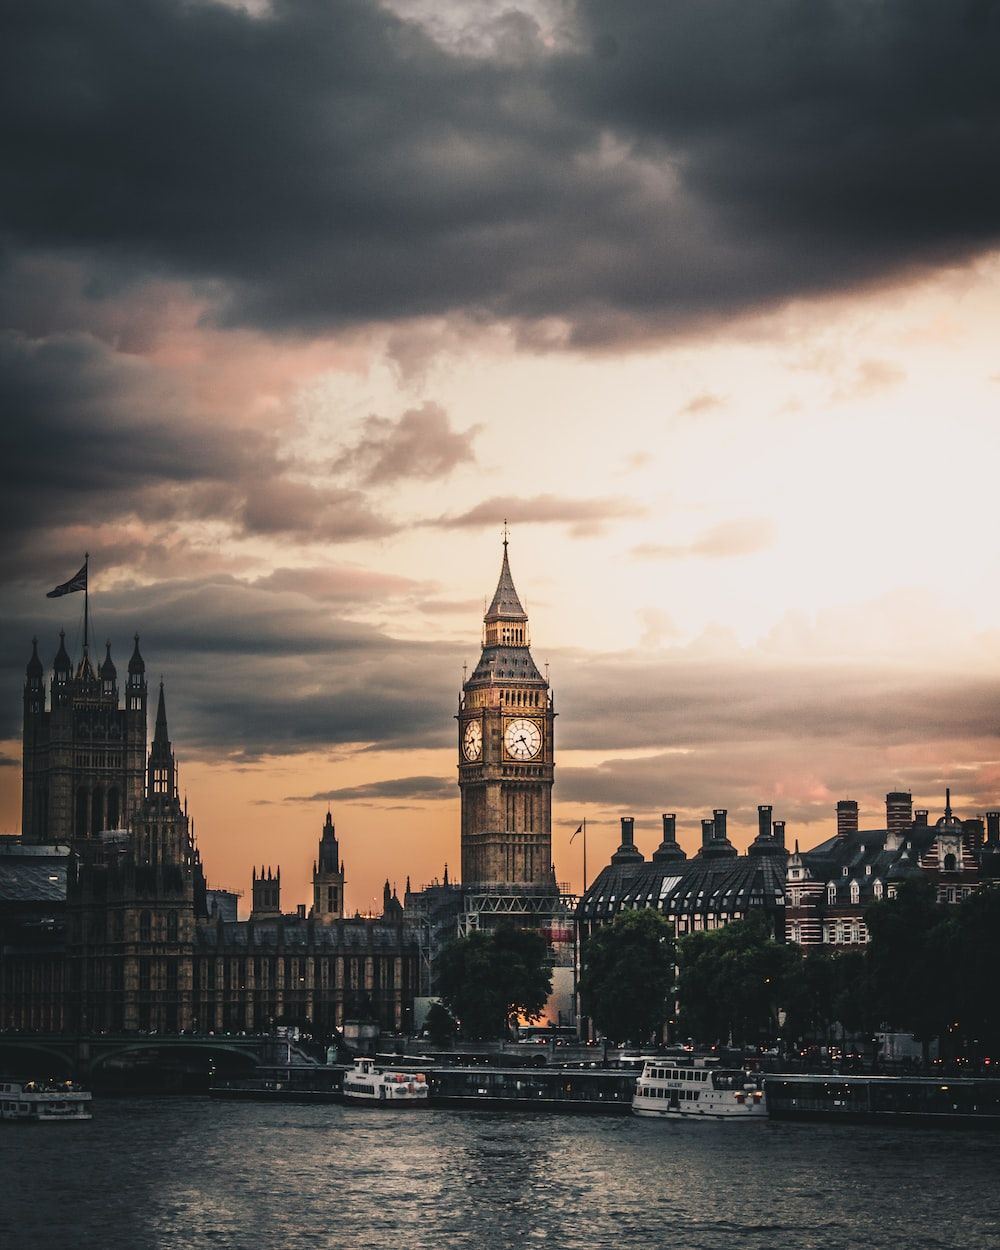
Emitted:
pixel 698 1092
pixel 283 1083
pixel 589 1091
pixel 958 1101
pixel 42 1102
pixel 370 1084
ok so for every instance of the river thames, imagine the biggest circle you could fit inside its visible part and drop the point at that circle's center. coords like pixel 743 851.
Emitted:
pixel 180 1173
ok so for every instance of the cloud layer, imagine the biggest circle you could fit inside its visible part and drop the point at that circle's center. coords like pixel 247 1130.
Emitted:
pixel 654 167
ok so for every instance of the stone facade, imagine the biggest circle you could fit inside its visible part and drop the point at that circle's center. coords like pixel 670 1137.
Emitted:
pixel 114 932
pixel 84 756
pixel 830 887
pixel 506 753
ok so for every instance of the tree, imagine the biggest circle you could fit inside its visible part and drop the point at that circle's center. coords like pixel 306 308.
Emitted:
pixel 904 955
pixel 733 981
pixel 627 977
pixel 486 980
pixel 440 1024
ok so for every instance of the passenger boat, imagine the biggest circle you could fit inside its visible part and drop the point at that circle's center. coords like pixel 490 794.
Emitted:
pixel 698 1092
pixel 39 1102
pixel 958 1101
pixel 371 1085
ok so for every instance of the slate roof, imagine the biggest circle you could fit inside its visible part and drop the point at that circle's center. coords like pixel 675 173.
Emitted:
pixel 687 887
pixel 506 664
pixel 506 605
pixel 22 881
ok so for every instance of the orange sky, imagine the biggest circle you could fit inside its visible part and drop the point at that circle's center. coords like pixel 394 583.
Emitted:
pixel 577 267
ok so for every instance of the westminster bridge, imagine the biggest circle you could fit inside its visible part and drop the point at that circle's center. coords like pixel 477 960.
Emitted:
pixel 142 1060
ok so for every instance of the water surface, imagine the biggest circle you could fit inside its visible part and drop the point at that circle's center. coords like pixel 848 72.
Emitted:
pixel 182 1173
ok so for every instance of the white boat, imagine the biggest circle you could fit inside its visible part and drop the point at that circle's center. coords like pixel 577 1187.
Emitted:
pixel 374 1086
pixel 698 1092
pixel 39 1102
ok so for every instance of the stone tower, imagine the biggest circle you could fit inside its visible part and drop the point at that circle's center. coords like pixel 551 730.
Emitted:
pixel 266 895
pixel 506 753
pixel 328 877
pixel 84 756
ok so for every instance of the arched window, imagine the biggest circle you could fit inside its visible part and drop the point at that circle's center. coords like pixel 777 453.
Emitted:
pixel 96 812
pixel 878 889
pixel 82 805
pixel 114 809
pixel 171 926
pixel 145 926
pixel 831 893
pixel 855 892
pixel 950 863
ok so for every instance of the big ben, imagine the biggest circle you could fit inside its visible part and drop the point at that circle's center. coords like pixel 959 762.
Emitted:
pixel 506 753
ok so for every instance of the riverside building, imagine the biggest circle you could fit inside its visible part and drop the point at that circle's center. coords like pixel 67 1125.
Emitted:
pixel 106 920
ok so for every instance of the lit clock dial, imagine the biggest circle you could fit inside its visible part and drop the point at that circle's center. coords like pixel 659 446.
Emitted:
pixel 523 739
pixel 472 740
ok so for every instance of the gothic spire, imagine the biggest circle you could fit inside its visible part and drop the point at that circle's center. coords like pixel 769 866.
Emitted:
pixel 34 668
pixel 506 605
pixel 162 776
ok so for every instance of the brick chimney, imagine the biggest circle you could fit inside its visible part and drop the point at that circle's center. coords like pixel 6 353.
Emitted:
pixel 847 817
pixel 898 816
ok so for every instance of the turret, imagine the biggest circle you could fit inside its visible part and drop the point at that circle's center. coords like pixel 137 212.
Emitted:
pixel 34 671
pixel 61 665
pixel 161 777
pixel 108 673
pixel 328 877
pixel 266 893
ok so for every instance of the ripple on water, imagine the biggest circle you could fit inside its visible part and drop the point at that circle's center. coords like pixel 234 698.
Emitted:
pixel 189 1173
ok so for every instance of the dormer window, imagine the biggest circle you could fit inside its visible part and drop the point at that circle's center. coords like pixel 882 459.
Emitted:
pixel 831 893
pixel 868 870
pixel 855 892
pixel 878 889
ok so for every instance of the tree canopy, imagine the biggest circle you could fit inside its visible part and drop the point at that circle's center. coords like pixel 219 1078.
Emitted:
pixel 933 967
pixel 733 981
pixel 487 980
pixel 627 978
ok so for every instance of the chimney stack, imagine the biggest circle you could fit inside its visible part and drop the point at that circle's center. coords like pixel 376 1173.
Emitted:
pixel 898 813
pixel 779 832
pixel 721 816
pixel 847 817
pixel 920 817
pixel 764 811
pixel 627 850
pixel 669 847
pixel 707 832
pixel 993 830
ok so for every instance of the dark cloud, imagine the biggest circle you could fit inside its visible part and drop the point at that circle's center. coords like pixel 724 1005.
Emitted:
pixel 741 537
pixel 254 671
pixel 249 671
pixel 93 437
pixel 421 444
pixel 417 788
pixel 585 516
pixel 661 167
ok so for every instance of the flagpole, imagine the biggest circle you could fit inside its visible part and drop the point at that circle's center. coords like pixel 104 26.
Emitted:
pixel 86 600
pixel 585 854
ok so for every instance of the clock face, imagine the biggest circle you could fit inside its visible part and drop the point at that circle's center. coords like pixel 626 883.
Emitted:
pixel 523 739
pixel 472 740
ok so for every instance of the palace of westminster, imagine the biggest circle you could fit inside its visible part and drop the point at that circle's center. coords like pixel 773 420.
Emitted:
pixel 108 924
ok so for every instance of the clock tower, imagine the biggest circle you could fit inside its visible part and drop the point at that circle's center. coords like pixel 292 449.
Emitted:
pixel 505 753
